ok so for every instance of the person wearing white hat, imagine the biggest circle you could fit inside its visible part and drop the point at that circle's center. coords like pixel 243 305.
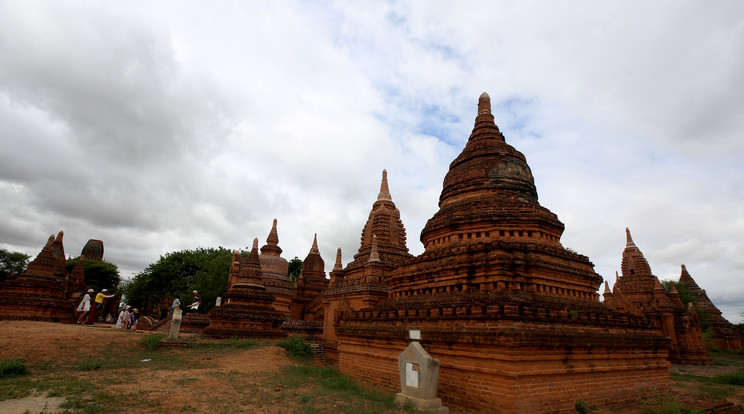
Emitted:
pixel 84 307
pixel 98 306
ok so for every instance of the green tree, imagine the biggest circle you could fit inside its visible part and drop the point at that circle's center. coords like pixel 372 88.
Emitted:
pixel 295 266
pixel 98 274
pixel 687 297
pixel 177 274
pixel 12 262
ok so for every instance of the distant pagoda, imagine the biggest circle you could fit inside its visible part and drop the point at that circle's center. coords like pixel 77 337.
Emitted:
pixel 247 310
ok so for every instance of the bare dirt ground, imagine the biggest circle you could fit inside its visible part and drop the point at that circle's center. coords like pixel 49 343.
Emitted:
pixel 173 389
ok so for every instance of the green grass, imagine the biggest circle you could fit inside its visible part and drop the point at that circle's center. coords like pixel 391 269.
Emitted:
pixel 233 343
pixel 10 368
pixel 151 342
pixel 331 381
pixel 731 378
pixel 296 347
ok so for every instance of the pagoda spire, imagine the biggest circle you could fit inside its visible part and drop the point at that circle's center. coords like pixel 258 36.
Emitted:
pixel 314 248
pixel 338 266
pixel 273 239
pixel 628 239
pixel 384 190
pixel 484 104
pixel 271 247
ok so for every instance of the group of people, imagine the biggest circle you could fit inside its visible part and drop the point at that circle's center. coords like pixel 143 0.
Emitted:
pixel 89 308
pixel 194 307
pixel 128 318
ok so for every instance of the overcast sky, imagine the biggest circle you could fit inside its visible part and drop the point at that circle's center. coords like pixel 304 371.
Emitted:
pixel 161 126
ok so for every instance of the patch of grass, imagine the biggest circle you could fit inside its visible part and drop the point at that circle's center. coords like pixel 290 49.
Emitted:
pixel 13 388
pixel 329 379
pixel 10 368
pixel 152 342
pixel 89 364
pixel 669 405
pixel 296 347
pixel 731 378
pixel 581 407
pixel 727 357
pixel 233 343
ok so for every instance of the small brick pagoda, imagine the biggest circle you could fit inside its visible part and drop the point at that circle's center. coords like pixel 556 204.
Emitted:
pixel 512 316
pixel 639 292
pixel 275 271
pixel 309 285
pixel 248 308
pixel 724 333
pixel 44 291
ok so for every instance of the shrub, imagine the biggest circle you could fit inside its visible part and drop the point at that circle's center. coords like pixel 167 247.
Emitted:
pixel 13 368
pixel 296 347
pixel 152 342
pixel 581 407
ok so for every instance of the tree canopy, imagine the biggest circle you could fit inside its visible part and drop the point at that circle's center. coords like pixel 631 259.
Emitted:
pixel 98 274
pixel 12 262
pixel 177 274
pixel 295 266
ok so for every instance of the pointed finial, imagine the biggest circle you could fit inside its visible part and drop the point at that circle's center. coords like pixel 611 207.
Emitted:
pixel 374 255
pixel 314 248
pixel 673 289
pixel 607 287
pixel 616 276
pixel 273 239
pixel 484 104
pixel 338 265
pixel 60 235
pixel 629 240
pixel 255 245
pixel 384 191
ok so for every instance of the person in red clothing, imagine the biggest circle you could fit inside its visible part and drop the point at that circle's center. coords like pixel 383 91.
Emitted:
pixel 97 306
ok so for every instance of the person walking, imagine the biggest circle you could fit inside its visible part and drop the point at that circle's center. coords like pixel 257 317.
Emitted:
pixel 98 305
pixel 84 307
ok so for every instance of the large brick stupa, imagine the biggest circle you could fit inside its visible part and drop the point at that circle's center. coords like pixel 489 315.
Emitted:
pixel 512 316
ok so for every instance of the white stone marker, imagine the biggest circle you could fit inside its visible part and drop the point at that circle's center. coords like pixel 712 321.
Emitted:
pixel 175 324
pixel 219 301
pixel 419 379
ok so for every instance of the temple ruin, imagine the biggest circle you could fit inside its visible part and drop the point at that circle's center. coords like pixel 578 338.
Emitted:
pixel 639 292
pixel 45 291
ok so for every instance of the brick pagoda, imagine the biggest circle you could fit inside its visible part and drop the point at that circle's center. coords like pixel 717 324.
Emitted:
pixel 275 271
pixel 42 292
pixel 639 292
pixel 725 334
pixel 310 284
pixel 248 309
pixel 512 316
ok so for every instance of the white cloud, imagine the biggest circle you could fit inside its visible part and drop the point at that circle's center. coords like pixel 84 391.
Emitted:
pixel 158 127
